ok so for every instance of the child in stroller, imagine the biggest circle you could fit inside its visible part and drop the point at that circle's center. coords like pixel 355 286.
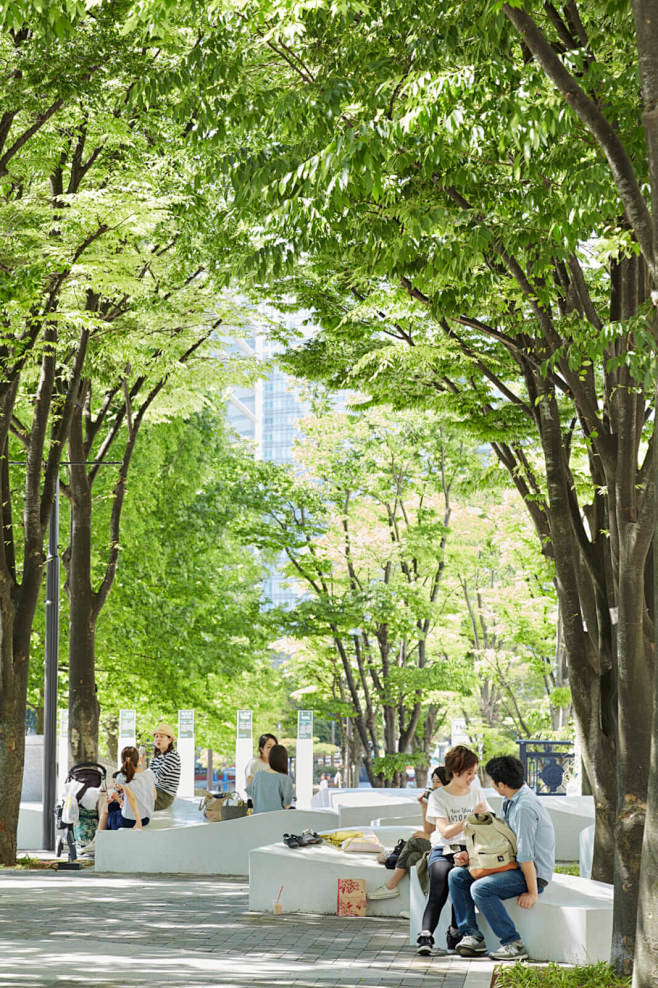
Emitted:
pixel 77 814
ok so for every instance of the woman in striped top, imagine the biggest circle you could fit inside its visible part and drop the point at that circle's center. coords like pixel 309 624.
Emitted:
pixel 165 765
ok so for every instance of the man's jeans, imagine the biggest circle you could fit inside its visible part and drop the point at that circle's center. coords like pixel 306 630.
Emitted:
pixel 486 893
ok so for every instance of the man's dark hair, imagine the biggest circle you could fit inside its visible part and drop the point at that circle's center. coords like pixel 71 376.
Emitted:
pixel 506 769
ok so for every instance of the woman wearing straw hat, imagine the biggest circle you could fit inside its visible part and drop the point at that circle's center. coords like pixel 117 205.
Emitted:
pixel 165 765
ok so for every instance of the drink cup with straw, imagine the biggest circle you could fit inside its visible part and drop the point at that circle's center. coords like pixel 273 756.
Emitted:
pixel 277 907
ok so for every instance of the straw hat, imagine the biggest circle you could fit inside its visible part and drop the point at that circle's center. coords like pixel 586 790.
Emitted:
pixel 165 729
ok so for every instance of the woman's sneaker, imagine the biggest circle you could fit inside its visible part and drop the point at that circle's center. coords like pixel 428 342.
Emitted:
pixel 471 946
pixel 425 943
pixel 515 951
pixel 383 893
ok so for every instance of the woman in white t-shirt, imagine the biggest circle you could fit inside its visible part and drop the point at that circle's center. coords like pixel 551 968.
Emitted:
pixel 265 744
pixel 135 789
pixel 447 808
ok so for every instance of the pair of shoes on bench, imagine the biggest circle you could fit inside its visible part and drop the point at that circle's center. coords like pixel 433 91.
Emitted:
pixel 302 840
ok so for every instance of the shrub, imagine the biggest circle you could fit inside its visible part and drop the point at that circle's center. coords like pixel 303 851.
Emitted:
pixel 553 976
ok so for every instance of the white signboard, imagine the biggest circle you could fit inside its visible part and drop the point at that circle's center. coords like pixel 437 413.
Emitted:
pixel 127 732
pixel 304 759
pixel 244 751
pixel 62 750
pixel 186 752
pixel 458 734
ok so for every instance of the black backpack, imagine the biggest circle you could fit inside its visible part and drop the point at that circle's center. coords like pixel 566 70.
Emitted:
pixel 392 860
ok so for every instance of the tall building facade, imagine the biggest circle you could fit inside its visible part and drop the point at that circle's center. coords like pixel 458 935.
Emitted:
pixel 267 416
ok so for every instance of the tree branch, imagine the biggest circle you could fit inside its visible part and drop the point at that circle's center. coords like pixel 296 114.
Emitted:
pixel 605 134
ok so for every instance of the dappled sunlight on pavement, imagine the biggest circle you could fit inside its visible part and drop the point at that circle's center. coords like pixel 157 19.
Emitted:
pixel 88 929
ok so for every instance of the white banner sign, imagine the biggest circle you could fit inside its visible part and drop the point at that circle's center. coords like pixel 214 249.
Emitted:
pixel 244 751
pixel 186 752
pixel 127 732
pixel 62 751
pixel 304 759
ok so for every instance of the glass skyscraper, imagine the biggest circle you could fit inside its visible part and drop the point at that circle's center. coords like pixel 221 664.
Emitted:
pixel 267 415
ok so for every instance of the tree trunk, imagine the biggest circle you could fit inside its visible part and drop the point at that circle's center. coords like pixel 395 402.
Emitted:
pixel 645 967
pixel 591 673
pixel 12 733
pixel 16 617
pixel 633 752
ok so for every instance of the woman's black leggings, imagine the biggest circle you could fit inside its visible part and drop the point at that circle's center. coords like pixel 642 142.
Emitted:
pixel 436 900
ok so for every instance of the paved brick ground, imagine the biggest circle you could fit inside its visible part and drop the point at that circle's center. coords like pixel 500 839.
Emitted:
pixel 86 929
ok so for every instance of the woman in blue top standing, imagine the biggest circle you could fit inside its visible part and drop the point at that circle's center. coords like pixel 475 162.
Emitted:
pixel 272 789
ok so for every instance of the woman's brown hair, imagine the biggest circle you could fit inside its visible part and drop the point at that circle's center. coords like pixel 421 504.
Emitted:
pixel 129 762
pixel 279 759
pixel 459 759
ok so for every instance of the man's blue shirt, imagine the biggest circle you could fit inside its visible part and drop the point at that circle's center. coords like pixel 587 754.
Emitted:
pixel 535 837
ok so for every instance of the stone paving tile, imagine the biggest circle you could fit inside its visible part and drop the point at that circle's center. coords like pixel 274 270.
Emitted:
pixel 61 931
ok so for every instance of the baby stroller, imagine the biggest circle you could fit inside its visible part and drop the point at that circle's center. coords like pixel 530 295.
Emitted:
pixel 77 818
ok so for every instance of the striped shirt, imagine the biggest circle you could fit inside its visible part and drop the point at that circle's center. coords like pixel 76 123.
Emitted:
pixel 166 769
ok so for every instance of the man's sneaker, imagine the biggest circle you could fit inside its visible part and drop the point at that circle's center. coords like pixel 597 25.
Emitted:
pixel 471 946
pixel 515 951
pixel 425 943
pixel 383 893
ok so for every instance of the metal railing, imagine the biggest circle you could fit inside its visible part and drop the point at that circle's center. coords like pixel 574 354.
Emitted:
pixel 546 765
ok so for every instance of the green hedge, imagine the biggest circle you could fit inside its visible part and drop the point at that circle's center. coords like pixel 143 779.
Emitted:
pixel 553 976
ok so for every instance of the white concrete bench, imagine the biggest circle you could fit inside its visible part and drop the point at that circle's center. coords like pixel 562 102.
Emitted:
pixel 586 851
pixel 183 812
pixel 309 876
pixel 30 826
pixel 200 848
pixel 570 816
pixel 357 808
pixel 361 797
pixel 571 923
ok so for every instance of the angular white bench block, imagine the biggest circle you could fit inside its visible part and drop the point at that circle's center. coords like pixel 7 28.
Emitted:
pixel 571 923
pixel 309 876
pixel 360 816
pixel 30 827
pixel 586 851
pixel 201 848
pixel 570 816
pixel 357 808
pixel 362 797
pixel 183 812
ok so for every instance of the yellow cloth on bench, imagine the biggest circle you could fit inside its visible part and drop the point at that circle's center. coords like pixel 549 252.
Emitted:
pixel 338 836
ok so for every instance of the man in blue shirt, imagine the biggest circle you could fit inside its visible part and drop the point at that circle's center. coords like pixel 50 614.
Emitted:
pixel 525 813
